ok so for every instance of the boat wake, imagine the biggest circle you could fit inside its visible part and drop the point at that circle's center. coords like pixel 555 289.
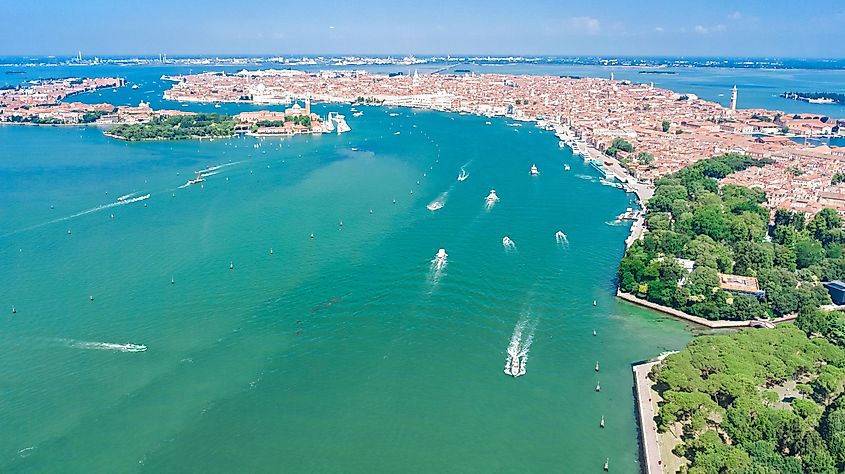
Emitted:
pixel 105 346
pixel 586 177
pixel 121 201
pixel 437 266
pixel 520 344
pixel 438 202
pixel 616 222
pixel 463 175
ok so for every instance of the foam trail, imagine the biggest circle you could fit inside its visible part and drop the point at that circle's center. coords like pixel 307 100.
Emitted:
pixel 82 213
pixel 104 346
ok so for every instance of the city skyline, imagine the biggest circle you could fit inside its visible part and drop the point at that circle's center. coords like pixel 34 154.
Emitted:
pixel 754 29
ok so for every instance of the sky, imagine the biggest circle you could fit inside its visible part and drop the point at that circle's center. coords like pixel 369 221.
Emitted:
pixel 771 28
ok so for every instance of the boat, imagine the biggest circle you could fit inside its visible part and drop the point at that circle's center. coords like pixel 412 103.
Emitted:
pixel 134 86
pixel 601 423
pixel 515 365
pixel 440 259
pixel 534 171
pixel 393 114
pixel 488 123
pixel 125 197
pixel 492 197
pixel 198 179
pixel 358 114
pixel 507 242
pixel 561 144
pixel 463 175
pixel 207 170
pixel 597 366
pixel 436 205
pixel 216 106
pixel 566 168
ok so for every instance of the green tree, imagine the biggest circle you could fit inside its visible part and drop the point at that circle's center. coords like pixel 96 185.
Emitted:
pixel 666 125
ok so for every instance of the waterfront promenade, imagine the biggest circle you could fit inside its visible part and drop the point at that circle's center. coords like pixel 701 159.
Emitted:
pixel 646 411
pixel 698 320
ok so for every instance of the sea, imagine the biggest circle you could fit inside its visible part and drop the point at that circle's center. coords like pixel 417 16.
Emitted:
pixel 287 314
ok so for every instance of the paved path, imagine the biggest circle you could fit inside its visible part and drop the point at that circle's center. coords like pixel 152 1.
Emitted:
pixel 646 410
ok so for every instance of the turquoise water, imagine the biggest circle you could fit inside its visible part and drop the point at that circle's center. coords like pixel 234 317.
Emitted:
pixel 344 352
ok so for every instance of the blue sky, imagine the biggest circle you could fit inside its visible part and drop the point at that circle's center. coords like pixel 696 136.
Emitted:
pixel 611 27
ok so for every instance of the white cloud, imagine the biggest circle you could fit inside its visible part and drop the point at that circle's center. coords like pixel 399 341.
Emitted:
pixel 658 29
pixel 735 16
pixel 584 24
pixel 703 30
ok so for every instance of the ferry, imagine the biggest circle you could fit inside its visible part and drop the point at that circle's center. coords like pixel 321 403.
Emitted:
pixel 492 197
pixel 436 205
pixel 534 171
pixel 515 365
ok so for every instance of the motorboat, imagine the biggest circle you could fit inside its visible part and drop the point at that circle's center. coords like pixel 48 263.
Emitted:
pixel 125 197
pixel 436 205
pixel 534 171
pixel 492 197
pixel 515 365
pixel 197 180
pixel 507 242
pixel 357 114
pixel 566 168
pixel 463 175
pixel 134 86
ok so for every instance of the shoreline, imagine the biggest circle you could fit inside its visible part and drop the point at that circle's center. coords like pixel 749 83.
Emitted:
pixel 710 324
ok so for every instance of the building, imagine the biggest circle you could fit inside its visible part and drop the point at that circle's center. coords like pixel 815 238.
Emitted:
pixel 836 290
pixel 740 284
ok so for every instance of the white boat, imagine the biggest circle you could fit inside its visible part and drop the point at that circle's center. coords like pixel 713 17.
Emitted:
pixel 198 179
pixel 488 123
pixel 207 170
pixel 125 197
pixel 216 106
pixel 134 86
pixel 561 144
pixel 440 258
pixel 436 205
pixel 515 365
pixel 507 242
pixel 393 114
pixel 358 114
pixel 492 197
pixel 463 175
pixel 534 171
pixel 566 167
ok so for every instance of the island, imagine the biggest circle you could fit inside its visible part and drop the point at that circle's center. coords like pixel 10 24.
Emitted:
pixel 816 97
pixel 763 401
pixel 710 252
